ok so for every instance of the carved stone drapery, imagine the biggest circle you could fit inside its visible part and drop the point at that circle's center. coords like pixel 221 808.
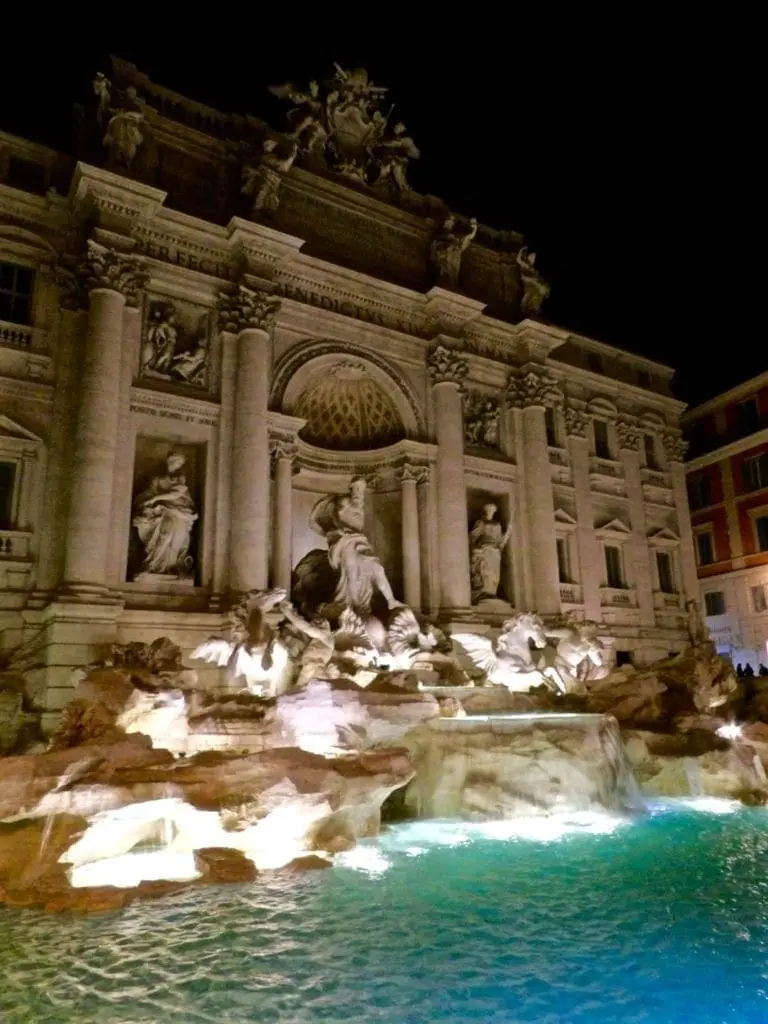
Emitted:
pixel 536 387
pixel 629 435
pixel 576 421
pixel 98 266
pixel 481 420
pixel 445 365
pixel 674 447
pixel 247 309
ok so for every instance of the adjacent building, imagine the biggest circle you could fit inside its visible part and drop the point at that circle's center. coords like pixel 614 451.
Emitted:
pixel 727 473
pixel 207 325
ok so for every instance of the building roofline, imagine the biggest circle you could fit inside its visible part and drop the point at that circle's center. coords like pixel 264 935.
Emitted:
pixel 738 391
pixel 603 347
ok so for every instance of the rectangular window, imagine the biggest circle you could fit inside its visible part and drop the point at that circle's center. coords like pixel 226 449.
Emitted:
pixel 613 572
pixel 15 293
pixel 747 416
pixel 761 526
pixel 714 602
pixel 758 599
pixel 754 472
pixel 705 548
pixel 699 492
pixel 549 419
pixel 7 481
pixel 664 566
pixel 602 448
pixel 595 362
pixel 650 451
pixel 563 561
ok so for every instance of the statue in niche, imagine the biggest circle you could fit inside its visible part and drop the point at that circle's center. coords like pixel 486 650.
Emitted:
pixel 698 633
pixel 509 661
pixel 263 180
pixel 487 540
pixel 164 515
pixel 448 247
pixel 172 349
pixel 340 519
pixel 535 288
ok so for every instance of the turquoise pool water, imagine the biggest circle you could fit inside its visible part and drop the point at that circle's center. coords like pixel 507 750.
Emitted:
pixel 662 920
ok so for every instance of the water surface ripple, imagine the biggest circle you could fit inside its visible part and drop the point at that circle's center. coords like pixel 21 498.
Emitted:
pixel 662 921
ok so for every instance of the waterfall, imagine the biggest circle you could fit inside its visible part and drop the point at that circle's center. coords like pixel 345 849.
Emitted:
pixel 693 774
pixel 489 767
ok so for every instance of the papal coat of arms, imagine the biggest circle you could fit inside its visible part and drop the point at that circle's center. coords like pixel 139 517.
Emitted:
pixel 342 124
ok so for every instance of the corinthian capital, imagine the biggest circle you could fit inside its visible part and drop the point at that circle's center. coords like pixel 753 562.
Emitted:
pixel 411 471
pixel 247 309
pixel 536 387
pixel 446 366
pixel 576 421
pixel 100 267
pixel 674 447
pixel 629 435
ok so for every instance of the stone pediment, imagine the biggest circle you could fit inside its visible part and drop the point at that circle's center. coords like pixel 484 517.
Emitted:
pixel 10 429
pixel 614 528
pixel 564 519
pixel 664 536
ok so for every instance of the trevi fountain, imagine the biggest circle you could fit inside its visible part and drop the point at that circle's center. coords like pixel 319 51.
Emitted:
pixel 362 796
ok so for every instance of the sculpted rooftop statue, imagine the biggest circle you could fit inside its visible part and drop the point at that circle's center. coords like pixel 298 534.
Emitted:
pixel 448 246
pixel 262 181
pixel 340 124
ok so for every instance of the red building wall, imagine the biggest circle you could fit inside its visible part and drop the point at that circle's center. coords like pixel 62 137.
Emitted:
pixel 716 518
pixel 731 411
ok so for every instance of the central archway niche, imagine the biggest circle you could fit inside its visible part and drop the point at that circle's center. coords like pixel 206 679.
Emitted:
pixel 353 408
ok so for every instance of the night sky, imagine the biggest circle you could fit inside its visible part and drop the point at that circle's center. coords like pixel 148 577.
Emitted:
pixel 631 163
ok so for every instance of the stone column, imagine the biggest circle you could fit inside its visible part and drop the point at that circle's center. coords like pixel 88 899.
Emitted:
pixel 249 315
pixel 283 455
pixel 410 478
pixel 630 437
pixel 590 557
pixel 447 370
pixel 110 279
pixel 533 392
pixel 674 449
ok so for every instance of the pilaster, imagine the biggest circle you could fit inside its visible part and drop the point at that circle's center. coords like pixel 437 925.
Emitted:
pixel 629 436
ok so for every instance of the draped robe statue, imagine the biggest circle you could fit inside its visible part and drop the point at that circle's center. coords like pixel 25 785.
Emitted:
pixel 487 540
pixel 164 517
pixel 340 519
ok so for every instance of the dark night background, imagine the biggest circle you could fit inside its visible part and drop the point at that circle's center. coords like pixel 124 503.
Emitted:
pixel 628 157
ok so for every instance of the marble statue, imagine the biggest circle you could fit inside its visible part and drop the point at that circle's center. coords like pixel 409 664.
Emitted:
pixel 316 653
pixel 487 540
pixel 102 90
pixel 406 640
pixel 341 124
pixel 340 519
pixel 535 288
pixel 509 661
pixel 306 118
pixel 262 182
pixel 448 247
pixel 577 657
pixel 164 516
pixel 697 627
pixel 481 420
pixel 253 650
pixel 172 350
pixel 392 156
pixel 123 136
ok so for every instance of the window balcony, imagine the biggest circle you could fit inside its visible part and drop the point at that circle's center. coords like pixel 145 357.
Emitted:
pixel 655 478
pixel 605 467
pixel 14 544
pixel 19 336
pixel 571 593
pixel 664 602
pixel 618 597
